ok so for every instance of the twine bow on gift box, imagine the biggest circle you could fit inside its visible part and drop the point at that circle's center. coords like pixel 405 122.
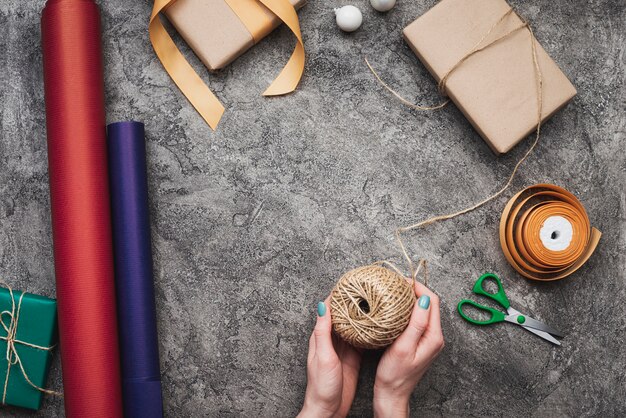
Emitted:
pixel 190 83
pixel 12 356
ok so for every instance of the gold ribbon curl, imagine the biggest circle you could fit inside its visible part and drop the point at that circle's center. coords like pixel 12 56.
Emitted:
pixel 190 83
pixel 12 356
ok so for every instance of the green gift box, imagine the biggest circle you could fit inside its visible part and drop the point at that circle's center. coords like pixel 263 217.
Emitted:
pixel 27 332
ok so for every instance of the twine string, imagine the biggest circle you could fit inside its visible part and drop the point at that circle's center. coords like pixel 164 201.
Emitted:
pixel 12 356
pixel 399 97
pixel 390 298
pixel 422 263
pixel 372 305
pixel 442 88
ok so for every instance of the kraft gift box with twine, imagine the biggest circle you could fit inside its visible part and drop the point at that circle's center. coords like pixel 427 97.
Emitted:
pixel 482 59
pixel 219 31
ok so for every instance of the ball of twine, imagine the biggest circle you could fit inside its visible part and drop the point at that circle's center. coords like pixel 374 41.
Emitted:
pixel 371 306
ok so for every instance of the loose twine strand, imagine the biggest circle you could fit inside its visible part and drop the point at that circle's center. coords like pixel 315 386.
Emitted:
pixel 442 89
pixel 12 356
pixel 422 264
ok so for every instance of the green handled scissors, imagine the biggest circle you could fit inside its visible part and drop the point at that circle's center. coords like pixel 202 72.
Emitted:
pixel 514 316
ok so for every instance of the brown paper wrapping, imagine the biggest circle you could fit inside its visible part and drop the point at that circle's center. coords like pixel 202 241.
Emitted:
pixel 495 89
pixel 214 31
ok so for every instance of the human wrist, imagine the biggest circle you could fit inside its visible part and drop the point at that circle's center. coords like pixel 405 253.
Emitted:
pixel 312 409
pixel 387 408
pixel 390 403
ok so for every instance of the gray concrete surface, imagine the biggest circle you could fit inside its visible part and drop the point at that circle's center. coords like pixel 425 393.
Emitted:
pixel 254 223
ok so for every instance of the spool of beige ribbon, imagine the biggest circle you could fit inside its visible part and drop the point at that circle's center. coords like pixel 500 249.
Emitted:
pixel 545 233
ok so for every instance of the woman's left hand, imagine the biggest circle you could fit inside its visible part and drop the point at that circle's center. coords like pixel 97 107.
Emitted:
pixel 332 370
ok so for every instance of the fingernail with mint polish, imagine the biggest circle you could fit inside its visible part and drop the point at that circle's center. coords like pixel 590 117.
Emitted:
pixel 424 302
pixel 321 309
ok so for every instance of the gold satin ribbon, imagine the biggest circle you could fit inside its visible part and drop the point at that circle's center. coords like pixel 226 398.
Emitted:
pixel 290 76
pixel 522 220
pixel 190 83
pixel 253 16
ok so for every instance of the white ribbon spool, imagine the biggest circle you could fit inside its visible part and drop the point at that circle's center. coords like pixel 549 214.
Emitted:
pixel 556 233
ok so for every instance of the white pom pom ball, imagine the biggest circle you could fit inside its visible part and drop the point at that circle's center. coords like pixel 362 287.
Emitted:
pixel 349 18
pixel 383 5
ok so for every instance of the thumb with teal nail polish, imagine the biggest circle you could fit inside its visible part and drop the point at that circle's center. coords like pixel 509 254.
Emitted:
pixel 332 370
pixel 321 309
pixel 406 360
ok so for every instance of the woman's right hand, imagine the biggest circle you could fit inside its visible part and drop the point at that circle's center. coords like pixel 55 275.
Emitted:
pixel 406 360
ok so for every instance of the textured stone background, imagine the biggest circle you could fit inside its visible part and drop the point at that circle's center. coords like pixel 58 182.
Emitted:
pixel 254 223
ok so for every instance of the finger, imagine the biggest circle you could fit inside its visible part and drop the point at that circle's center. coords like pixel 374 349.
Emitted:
pixel 432 341
pixel 421 289
pixel 323 330
pixel 349 355
pixel 433 333
pixel 406 344
pixel 311 348
pixel 434 324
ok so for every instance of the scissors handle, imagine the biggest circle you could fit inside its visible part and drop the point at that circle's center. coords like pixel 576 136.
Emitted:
pixel 499 297
pixel 496 315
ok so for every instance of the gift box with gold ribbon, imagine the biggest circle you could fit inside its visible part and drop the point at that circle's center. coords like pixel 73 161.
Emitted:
pixel 487 61
pixel 27 333
pixel 219 31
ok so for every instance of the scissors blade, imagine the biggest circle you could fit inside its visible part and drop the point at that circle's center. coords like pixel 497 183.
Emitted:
pixel 533 323
pixel 543 335
pixel 546 336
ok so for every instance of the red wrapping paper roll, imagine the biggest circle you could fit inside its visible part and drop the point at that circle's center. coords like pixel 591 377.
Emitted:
pixel 79 194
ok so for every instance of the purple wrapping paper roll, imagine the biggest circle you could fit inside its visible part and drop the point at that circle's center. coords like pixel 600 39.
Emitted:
pixel 141 376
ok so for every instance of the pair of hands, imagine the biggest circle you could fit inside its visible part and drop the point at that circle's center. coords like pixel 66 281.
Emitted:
pixel 333 365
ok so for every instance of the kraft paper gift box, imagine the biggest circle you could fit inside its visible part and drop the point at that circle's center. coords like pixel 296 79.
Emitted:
pixel 215 32
pixel 36 319
pixel 494 88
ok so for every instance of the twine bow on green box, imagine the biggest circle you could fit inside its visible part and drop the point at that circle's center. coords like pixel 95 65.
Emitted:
pixel 27 330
